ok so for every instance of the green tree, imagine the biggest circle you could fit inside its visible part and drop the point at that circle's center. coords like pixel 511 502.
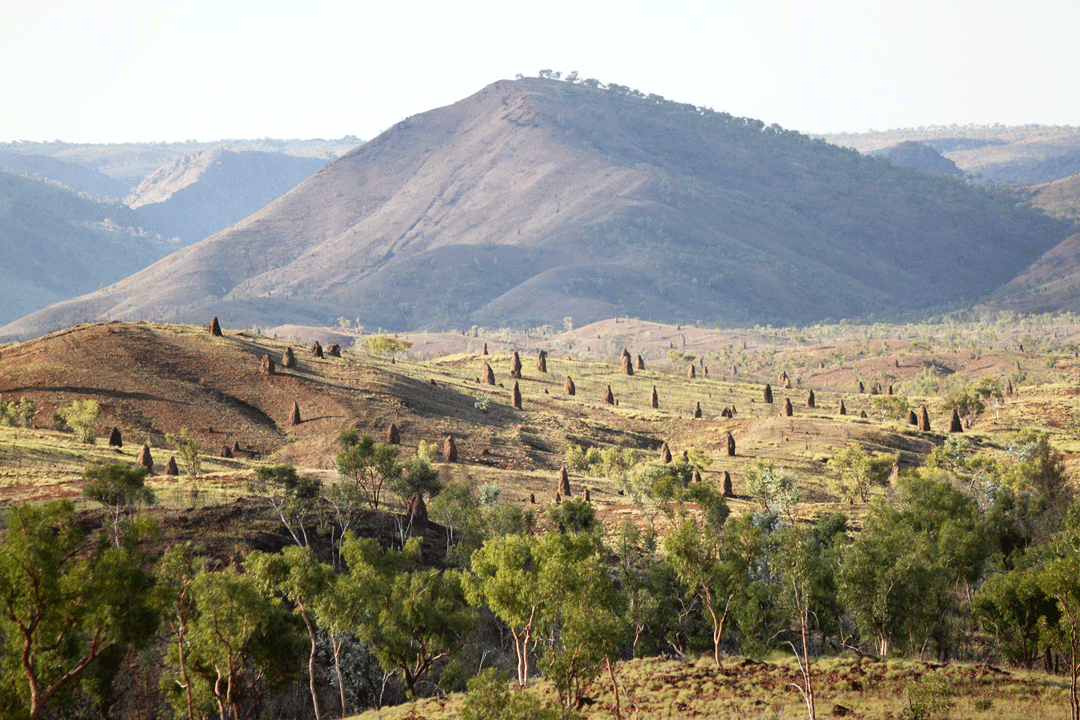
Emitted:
pixel 1059 579
pixel 367 464
pixel 120 488
pixel 1013 608
pixel 775 489
pixel 574 515
pixel 489 698
pixel 414 617
pixel 188 447
pixel 81 416
pixel 239 643
pixel 301 580
pixel 715 563
pixel 293 497
pixel 910 566
pixel 890 407
pixel 386 345
pixel 68 613
pixel 858 472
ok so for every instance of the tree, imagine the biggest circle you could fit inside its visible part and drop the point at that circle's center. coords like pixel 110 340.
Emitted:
pixel 386 345
pixel 1015 610
pixel 416 479
pixel 188 447
pixel 910 564
pixel 715 564
pixel 81 415
pixel 367 464
pixel 68 613
pixel 293 497
pixel 774 488
pixel 301 580
pixel 414 618
pixel 239 643
pixel 890 407
pixel 798 568
pixel 120 488
pixel 859 472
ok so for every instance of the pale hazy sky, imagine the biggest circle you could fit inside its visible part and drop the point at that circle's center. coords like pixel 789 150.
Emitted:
pixel 149 70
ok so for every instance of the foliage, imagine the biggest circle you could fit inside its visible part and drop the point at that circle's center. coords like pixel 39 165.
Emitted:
pixel 890 407
pixel 81 415
pixel 426 451
pixel 665 489
pixel 775 489
pixel 859 472
pixel 236 644
pixel 903 571
pixel 386 345
pixel 367 464
pixel 120 488
pixel 483 402
pixel 610 462
pixel 293 497
pixel 188 447
pixel 928 698
pixel 490 698
pixel 554 589
pixel 301 580
pixel 68 613
pixel 574 515
pixel 414 617
pixel 17 414
pixel 715 563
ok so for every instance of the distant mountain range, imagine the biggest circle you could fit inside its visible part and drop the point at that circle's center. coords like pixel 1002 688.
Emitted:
pixel 534 200
pixel 1016 155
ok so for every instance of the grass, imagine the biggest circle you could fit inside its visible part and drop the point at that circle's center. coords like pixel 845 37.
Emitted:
pixel 741 688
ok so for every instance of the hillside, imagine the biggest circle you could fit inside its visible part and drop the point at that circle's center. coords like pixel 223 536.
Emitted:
pixel 67 174
pixel 1021 155
pixel 536 200
pixel 919 156
pixel 129 163
pixel 54 244
pixel 152 380
pixel 205 191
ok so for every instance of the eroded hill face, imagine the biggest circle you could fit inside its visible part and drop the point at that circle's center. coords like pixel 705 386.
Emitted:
pixel 204 191
pixel 536 200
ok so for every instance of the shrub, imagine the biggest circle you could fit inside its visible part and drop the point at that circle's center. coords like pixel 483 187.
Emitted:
pixel 188 447
pixel 81 416
pixel 426 451
pixel 17 414
pixel 483 402
pixel 386 345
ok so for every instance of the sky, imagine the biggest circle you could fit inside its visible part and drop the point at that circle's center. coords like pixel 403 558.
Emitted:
pixel 167 70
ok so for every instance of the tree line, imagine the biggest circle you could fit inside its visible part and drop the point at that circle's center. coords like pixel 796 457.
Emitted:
pixel 972 556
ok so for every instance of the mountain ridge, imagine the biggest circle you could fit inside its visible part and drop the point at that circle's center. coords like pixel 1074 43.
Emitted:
pixel 533 200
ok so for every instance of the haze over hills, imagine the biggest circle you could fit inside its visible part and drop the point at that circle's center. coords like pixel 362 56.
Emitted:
pixel 534 200
pixel 207 190
pixel 130 163
pixel 54 243
pixel 1018 155
pixel 70 175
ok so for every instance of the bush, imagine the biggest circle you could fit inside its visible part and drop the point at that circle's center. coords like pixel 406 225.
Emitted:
pixel 81 416
pixel 490 698
pixel 386 345
pixel 426 451
pixel 17 414
pixel 188 447
pixel 483 402
pixel 576 515
pixel 930 697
